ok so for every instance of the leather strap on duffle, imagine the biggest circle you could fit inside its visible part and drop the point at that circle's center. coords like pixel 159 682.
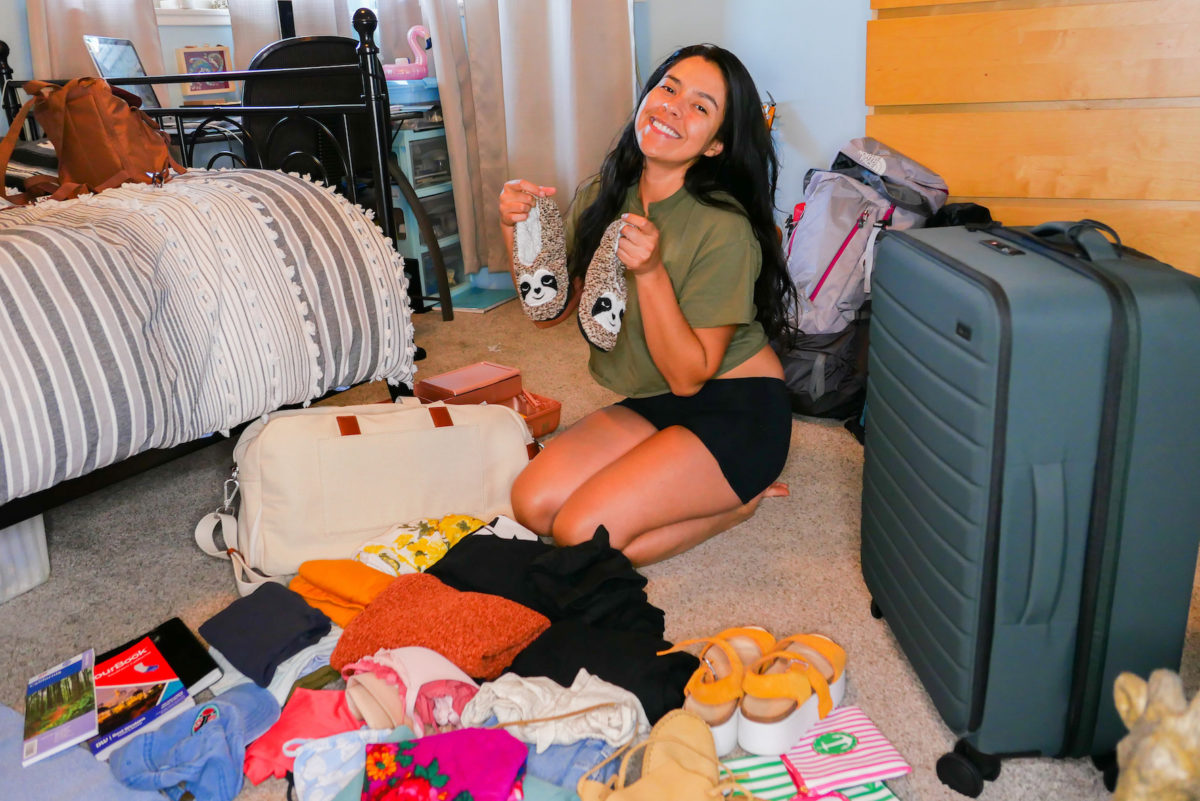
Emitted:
pixel 348 425
pixel 441 416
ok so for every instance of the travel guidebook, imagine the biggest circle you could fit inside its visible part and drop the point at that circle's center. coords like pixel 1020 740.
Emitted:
pixel 136 691
pixel 60 708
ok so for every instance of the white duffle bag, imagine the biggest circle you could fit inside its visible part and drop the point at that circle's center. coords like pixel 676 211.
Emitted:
pixel 317 483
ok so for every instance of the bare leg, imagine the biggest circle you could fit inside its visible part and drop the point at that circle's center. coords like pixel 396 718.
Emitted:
pixel 668 486
pixel 663 543
pixel 572 458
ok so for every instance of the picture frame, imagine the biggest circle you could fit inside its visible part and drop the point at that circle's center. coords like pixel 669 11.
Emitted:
pixel 200 59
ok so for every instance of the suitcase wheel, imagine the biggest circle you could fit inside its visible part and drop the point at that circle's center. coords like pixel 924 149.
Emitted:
pixel 965 769
pixel 989 766
pixel 876 612
pixel 1107 764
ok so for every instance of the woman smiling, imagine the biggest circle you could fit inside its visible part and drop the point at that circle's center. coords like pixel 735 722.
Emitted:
pixel 703 432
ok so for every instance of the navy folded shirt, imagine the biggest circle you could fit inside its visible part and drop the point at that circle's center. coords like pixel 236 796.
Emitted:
pixel 258 632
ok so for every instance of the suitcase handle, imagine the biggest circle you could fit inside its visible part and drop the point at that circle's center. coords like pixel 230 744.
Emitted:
pixel 1087 236
pixel 1049 543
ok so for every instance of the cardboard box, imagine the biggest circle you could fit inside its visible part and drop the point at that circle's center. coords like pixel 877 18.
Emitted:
pixel 482 382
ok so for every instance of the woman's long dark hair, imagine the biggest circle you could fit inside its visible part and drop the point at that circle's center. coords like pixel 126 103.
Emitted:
pixel 746 168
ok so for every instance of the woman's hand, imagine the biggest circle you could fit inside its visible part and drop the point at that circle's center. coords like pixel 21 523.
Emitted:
pixel 638 246
pixel 517 198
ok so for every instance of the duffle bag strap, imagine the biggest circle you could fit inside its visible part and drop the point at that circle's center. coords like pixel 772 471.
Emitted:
pixel 223 522
pixel 247 578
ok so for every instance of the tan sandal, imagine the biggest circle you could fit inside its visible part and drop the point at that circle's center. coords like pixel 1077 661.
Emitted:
pixel 679 763
pixel 715 689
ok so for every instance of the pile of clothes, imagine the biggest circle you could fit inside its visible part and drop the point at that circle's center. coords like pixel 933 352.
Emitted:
pixel 483 665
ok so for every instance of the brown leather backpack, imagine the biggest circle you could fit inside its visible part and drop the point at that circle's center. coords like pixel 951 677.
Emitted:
pixel 102 140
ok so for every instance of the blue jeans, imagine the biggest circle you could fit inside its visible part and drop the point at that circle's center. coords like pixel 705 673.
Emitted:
pixel 564 765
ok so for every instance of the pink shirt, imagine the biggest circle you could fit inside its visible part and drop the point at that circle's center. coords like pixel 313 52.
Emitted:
pixel 309 714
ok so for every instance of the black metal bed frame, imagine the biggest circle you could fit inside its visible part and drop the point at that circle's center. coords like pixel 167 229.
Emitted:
pixel 373 104
pixel 215 121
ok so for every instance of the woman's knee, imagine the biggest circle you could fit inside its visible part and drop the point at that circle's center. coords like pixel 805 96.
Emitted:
pixel 576 523
pixel 535 502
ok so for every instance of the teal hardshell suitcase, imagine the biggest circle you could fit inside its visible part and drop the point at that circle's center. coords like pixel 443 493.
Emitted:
pixel 1030 513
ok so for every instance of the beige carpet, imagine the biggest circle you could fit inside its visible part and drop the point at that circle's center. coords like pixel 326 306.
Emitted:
pixel 123 560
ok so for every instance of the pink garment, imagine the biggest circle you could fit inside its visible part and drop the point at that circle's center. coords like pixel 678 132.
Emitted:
pixel 474 764
pixel 308 713
pixel 440 703
pixel 435 689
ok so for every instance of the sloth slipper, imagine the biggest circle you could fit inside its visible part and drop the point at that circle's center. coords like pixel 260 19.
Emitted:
pixel 540 261
pixel 602 307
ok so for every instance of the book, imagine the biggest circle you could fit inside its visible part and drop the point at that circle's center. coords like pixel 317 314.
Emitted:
pixel 843 750
pixel 60 708
pixel 136 691
pixel 183 651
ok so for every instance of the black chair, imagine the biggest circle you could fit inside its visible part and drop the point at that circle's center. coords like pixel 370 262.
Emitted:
pixel 340 148
pixel 332 145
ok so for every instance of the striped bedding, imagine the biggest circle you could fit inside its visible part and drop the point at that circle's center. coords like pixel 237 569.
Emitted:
pixel 143 317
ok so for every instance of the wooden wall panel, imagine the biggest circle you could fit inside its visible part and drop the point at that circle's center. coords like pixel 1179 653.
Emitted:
pixel 1050 110
pixel 904 8
pixel 1103 153
pixel 1051 53
pixel 879 4
pixel 1168 232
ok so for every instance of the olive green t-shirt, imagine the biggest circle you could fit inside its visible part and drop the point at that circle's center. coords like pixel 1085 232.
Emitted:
pixel 713 260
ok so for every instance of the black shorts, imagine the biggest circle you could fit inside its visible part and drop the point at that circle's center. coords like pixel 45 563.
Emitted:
pixel 746 424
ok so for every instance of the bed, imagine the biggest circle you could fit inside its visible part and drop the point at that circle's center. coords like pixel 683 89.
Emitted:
pixel 137 323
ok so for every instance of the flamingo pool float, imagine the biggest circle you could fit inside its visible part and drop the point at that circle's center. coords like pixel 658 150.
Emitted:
pixel 403 69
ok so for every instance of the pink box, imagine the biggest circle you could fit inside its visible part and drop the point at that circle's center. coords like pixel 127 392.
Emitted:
pixel 482 382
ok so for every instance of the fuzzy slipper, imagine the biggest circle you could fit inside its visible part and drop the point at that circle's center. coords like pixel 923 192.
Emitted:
pixel 540 261
pixel 602 307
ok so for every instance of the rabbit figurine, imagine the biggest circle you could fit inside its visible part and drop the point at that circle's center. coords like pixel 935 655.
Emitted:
pixel 1160 757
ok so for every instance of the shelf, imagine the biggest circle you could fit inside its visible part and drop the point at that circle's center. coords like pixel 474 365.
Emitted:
pixel 192 16
pixel 434 189
pixel 444 242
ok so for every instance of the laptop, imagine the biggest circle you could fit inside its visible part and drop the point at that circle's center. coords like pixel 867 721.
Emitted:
pixel 118 58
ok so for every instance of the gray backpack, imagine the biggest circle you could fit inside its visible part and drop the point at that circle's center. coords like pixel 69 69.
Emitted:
pixel 831 245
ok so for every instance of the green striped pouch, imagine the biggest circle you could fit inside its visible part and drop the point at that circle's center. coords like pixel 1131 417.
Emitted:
pixel 764 776
pixel 873 791
pixel 768 779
